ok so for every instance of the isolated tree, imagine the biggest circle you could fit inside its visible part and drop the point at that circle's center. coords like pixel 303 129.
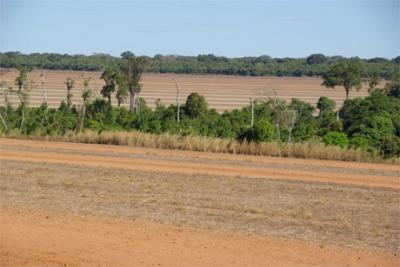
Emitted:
pixel 86 94
pixel 110 78
pixel 132 68
pixel 196 106
pixel 24 87
pixel 69 82
pixel 345 73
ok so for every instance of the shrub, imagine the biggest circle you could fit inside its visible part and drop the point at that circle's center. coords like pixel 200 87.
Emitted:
pixel 336 139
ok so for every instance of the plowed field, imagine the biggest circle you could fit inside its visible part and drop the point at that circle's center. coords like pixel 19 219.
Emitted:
pixel 222 92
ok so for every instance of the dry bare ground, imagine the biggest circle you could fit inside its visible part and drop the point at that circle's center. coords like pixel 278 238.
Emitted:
pixel 77 204
pixel 221 91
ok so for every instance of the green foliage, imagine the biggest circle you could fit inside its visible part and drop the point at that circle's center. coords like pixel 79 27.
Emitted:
pixel 336 139
pixel 316 59
pixel 262 131
pixel 372 124
pixel 314 65
pixel 346 73
pixel 195 106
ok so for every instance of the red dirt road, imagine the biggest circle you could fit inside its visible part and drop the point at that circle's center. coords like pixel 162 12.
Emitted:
pixel 50 239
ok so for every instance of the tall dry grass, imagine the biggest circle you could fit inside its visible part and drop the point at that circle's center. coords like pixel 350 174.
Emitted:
pixel 217 145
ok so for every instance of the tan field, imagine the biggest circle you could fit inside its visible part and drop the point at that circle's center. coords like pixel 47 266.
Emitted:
pixel 221 91
pixel 66 204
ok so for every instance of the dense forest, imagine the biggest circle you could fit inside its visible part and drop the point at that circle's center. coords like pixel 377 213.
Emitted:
pixel 313 65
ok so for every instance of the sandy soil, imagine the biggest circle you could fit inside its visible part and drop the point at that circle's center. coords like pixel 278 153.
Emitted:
pixel 221 91
pixel 65 204
pixel 50 152
pixel 42 238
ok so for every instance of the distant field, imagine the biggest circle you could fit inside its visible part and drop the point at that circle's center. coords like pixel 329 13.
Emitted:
pixel 222 92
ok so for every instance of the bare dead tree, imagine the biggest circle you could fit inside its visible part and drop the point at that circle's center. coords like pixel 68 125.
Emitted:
pixel 178 91
pixel 289 117
pixel 252 112
pixel 277 106
pixel 42 79
pixel 4 122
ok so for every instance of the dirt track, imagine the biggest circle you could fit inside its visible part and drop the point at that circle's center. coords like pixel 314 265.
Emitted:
pixel 51 239
pixel 189 163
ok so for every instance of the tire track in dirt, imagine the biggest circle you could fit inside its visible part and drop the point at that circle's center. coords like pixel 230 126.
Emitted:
pixel 197 168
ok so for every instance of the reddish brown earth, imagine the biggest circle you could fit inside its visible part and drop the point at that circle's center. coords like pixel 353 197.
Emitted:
pixel 222 92
pixel 38 238
pixel 163 164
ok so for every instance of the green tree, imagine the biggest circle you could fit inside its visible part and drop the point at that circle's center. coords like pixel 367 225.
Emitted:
pixel 110 78
pixel 86 94
pixel 196 106
pixel 69 82
pixel 132 68
pixel 373 81
pixel 24 87
pixel 346 73
pixel 336 139
pixel 316 59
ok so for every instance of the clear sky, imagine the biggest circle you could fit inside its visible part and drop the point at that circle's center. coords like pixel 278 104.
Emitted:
pixel 230 28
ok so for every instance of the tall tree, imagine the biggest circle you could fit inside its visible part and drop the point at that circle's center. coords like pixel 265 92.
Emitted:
pixel 132 68
pixel 43 78
pixel 122 90
pixel 69 82
pixel 346 73
pixel 110 78
pixel 86 94
pixel 24 87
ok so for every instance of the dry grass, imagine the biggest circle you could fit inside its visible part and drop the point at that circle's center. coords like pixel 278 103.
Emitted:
pixel 207 144
pixel 319 212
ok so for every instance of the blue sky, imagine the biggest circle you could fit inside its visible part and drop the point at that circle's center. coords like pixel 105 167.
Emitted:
pixel 230 28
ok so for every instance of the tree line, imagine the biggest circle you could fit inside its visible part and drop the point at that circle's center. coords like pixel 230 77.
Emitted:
pixel 371 124
pixel 313 65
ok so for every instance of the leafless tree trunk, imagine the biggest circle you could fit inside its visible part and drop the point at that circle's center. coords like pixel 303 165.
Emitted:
pixel 289 118
pixel 276 105
pixel 82 117
pixel 4 122
pixel 252 111
pixel 42 77
pixel 178 91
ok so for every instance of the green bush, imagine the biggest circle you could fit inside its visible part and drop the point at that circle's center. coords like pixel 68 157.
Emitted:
pixel 336 139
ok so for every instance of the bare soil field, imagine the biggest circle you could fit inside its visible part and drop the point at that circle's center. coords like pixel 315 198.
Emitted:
pixel 221 91
pixel 79 204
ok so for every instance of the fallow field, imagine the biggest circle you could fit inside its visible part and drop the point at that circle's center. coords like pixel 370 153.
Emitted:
pixel 221 91
pixel 66 204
